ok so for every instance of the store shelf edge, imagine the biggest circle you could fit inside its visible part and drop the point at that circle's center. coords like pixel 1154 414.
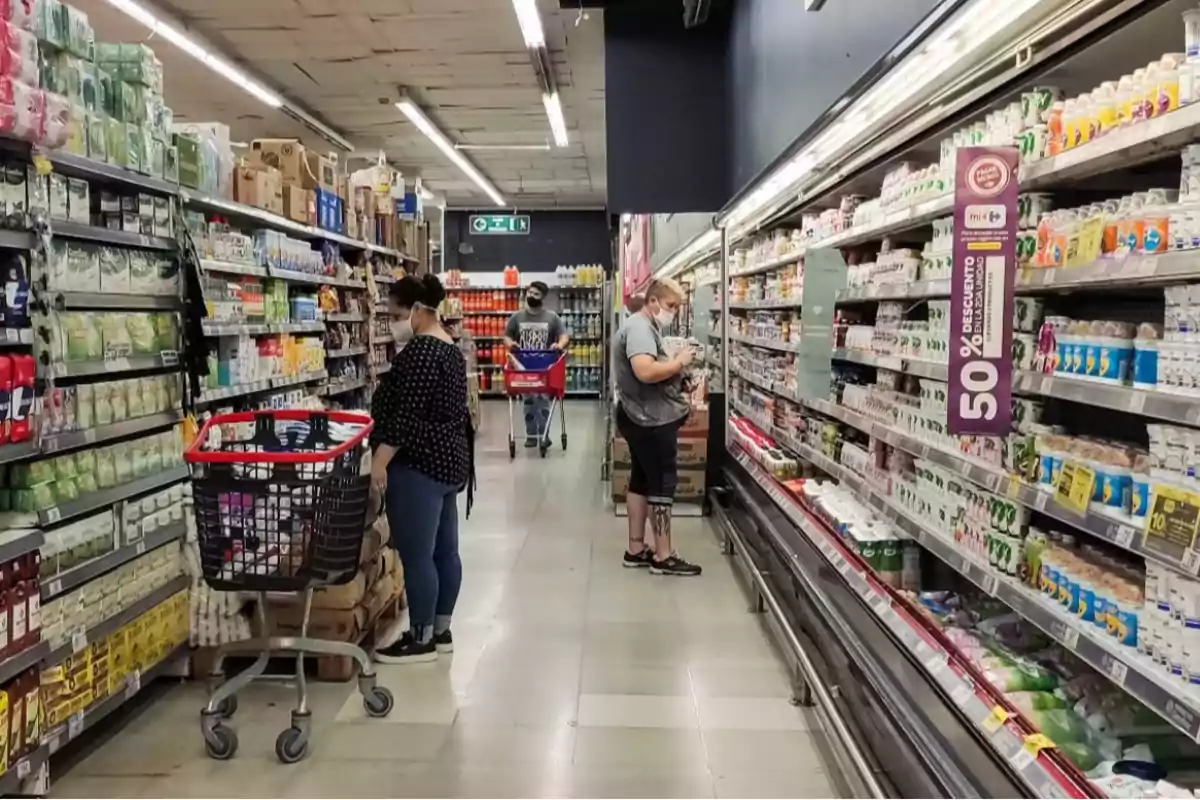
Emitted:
pixel 16 664
pixel 121 618
pixel 27 766
pixel 94 233
pixel 29 540
pixel 56 443
pixel 106 497
pixel 116 302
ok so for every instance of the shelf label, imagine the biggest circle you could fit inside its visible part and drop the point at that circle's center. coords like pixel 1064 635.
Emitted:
pixel 1137 402
pixel 52 514
pixel 1021 759
pixel 133 684
pixel 74 725
pixel 1191 561
pixel 1037 742
pixel 23 769
pixel 1172 522
pixel 79 642
pixel 54 587
pixel 961 694
pixel 995 719
pixel 1066 633
pixel 1040 499
pixel 1123 536
pixel 1076 483
pixel 1115 669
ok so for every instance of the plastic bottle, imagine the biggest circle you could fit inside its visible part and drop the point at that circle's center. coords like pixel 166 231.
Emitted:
pixel 1125 92
pixel 1167 93
pixel 1148 92
pixel 1070 121
pixel 1105 102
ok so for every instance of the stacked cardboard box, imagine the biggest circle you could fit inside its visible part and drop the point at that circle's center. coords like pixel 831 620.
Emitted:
pixel 310 189
pixel 691 455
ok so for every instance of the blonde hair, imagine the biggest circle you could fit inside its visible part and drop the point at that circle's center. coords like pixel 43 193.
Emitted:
pixel 664 287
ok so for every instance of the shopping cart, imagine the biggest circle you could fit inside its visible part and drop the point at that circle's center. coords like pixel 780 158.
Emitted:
pixel 543 372
pixel 281 506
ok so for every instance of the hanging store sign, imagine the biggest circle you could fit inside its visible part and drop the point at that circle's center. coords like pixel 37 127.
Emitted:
pixel 499 224
pixel 981 291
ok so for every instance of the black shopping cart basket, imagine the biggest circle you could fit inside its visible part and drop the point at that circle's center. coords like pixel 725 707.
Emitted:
pixel 281 502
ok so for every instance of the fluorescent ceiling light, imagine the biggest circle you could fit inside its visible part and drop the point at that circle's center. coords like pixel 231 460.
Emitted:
pixel 197 51
pixel 558 125
pixel 417 117
pixel 530 22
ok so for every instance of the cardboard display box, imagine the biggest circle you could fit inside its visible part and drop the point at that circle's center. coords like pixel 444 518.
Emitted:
pixel 689 453
pixel 696 424
pixel 260 186
pixel 690 488
pixel 297 204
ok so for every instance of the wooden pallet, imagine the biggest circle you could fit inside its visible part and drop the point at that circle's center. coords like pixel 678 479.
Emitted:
pixel 323 668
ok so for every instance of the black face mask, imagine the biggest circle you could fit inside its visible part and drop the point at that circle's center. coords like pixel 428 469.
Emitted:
pixel 534 302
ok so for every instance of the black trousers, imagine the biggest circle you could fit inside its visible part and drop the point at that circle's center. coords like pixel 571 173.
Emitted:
pixel 652 449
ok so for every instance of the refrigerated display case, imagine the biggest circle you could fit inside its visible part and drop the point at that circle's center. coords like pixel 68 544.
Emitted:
pixel 954 603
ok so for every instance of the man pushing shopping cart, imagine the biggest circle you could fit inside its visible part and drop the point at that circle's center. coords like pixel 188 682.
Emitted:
pixel 535 328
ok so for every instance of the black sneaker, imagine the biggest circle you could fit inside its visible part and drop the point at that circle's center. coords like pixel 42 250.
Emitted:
pixel 642 559
pixel 530 441
pixel 444 642
pixel 673 565
pixel 406 650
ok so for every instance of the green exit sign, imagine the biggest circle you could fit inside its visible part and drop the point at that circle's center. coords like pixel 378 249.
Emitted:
pixel 503 224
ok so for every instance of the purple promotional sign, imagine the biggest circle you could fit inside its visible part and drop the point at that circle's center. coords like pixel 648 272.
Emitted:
pixel 981 291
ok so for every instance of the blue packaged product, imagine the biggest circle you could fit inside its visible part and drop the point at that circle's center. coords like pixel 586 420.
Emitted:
pixel 1046 468
pixel 1115 355
pixel 1139 494
pixel 1123 623
pixel 1055 468
pixel 1145 363
pixel 1101 604
pixel 1064 348
pixel 1117 488
pixel 1049 581
pixel 1063 590
pixel 1083 601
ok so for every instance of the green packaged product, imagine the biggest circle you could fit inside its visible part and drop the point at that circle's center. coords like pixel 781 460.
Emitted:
pixel 85 463
pixel 25 476
pixel 143 272
pixel 115 271
pixel 1016 675
pixel 52 24
pixel 68 76
pixel 118 142
pixel 77 132
pixel 97 137
pixel 81 337
pixel 89 88
pixel 138 457
pixel 83 268
pixel 166 331
pixel 137 393
pixel 119 401
pixel 106 474
pixel 134 146
pixel 156 158
pixel 102 410
pixel 6 499
pixel 81 39
pixel 171 164
pixel 64 467
pixel 115 335
pixel 154 456
pixel 122 462
pixel 35 498
pixel 105 96
pixel 142 335
pixel 86 483
pixel 65 490
pixel 188 160
pixel 108 53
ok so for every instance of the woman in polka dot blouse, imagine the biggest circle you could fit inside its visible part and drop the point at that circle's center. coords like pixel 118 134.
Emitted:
pixel 422 459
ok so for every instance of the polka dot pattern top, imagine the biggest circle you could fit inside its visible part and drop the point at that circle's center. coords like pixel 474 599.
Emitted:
pixel 420 408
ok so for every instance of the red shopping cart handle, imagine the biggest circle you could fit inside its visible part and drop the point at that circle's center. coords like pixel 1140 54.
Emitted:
pixel 196 453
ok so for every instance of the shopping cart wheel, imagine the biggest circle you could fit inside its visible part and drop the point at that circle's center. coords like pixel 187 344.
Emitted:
pixel 543 446
pixel 378 702
pixel 564 441
pixel 220 742
pixel 228 706
pixel 512 449
pixel 292 745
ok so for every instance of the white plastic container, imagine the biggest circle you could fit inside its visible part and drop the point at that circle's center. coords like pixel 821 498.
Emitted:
pixel 1191 32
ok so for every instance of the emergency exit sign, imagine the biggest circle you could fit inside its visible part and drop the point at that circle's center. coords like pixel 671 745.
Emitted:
pixel 501 224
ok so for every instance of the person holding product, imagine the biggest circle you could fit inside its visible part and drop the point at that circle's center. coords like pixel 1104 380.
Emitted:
pixel 535 328
pixel 423 458
pixel 651 408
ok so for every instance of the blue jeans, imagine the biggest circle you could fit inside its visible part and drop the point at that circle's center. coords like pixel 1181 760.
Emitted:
pixel 537 415
pixel 423 519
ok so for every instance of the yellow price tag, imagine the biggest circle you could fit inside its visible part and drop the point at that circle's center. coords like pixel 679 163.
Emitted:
pixel 1173 520
pixel 1037 742
pixel 995 719
pixel 1085 246
pixel 1076 483
pixel 42 164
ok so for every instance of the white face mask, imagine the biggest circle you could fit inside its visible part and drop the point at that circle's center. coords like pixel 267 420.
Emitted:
pixel 664 318
pixel 402 330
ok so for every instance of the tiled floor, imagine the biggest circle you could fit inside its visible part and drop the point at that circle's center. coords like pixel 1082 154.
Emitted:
pixel 572 676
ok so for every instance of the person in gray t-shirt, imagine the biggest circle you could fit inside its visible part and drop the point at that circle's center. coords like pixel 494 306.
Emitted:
pixel 651 407
pixel 535 328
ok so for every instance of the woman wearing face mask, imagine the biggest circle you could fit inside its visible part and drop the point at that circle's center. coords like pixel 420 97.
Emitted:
pixel 651 409
pixel 422 460
pixel 535 327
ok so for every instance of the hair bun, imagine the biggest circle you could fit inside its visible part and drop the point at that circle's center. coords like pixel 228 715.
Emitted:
pixel 434 292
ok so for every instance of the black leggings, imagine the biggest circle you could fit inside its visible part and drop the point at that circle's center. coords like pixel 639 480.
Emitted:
pixel 652 449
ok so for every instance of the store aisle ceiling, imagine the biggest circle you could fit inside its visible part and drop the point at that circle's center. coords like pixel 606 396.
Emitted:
pixel 464 61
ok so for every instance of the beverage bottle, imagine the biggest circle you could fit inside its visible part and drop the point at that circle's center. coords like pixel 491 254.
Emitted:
pixel 6 387
pixel 21 399
pixel 16 292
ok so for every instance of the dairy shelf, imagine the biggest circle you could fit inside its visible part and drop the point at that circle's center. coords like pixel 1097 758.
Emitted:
pixel 89 570
pixel 114 302
pixel 165 359
pixel 1169 407
pixel 982 706
pixel 82 639
pixel 1174 700
pixel 57 442
pixel 229 392
pixel 759 305
pixel 770 344
pixel 94 233
pixel 347 352
pixel 61 735
pixel 104 498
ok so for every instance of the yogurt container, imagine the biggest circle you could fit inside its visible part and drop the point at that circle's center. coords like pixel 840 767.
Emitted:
pixel 1113 359
pixel 1145 363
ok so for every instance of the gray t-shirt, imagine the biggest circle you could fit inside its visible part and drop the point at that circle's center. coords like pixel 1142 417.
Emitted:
pixel 647 404
pixel 534 330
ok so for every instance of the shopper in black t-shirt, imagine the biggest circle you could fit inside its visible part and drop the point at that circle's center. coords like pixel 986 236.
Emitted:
pixel 422 460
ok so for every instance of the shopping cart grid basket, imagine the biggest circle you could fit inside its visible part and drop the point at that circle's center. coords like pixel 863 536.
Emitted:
pixel 537 372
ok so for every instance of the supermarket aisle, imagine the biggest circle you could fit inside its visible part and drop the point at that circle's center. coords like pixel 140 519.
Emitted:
pixel 572 675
